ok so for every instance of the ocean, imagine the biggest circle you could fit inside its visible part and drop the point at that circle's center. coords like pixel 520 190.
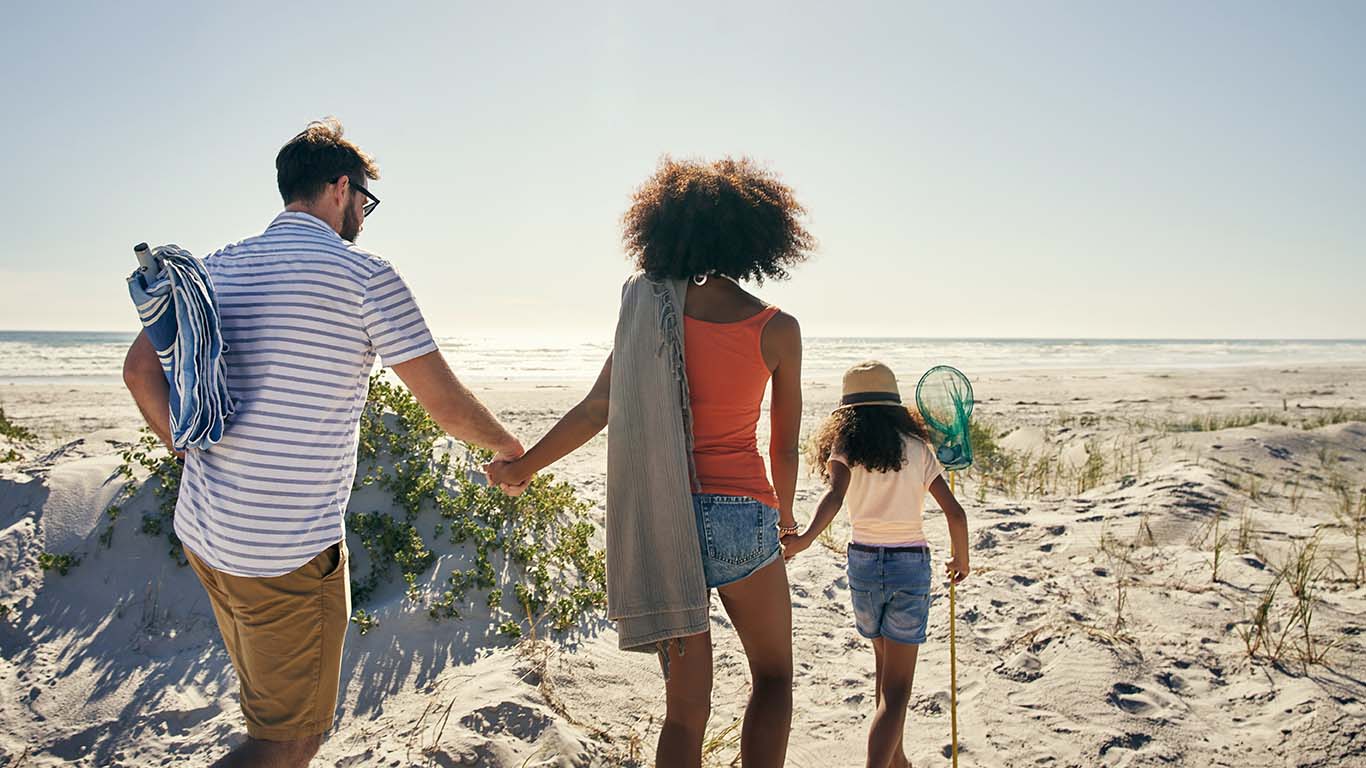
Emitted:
pixel 59 357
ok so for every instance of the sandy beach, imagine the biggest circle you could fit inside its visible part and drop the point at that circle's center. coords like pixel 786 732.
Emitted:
pixel 1093 632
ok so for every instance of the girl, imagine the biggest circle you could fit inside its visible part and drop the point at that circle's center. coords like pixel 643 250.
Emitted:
pixel 875 455
pixel 688 491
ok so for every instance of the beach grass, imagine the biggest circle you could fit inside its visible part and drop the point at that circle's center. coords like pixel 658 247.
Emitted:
pixel 14 431
pixel 1309 419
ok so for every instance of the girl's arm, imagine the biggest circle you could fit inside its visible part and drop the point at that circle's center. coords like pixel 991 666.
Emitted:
pixel 782 349
pixel 958 528
pixel 825 512
pixel 575 428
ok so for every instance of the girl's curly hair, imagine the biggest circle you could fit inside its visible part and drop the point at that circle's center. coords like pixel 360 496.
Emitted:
pixel 730 217
pixel 871 436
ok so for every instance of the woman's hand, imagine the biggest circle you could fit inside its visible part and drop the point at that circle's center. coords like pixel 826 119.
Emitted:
pixel 794 544
pixel 957 569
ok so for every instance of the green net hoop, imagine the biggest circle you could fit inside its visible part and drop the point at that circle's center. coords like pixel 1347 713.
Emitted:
pixel 944 396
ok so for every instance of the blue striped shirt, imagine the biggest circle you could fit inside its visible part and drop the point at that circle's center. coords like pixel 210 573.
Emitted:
pixel 304 313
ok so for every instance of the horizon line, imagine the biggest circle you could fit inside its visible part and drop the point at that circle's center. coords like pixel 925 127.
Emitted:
pixel 873 337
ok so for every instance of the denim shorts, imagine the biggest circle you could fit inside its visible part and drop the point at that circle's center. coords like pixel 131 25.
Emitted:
pixel 891 593
pixel 739 535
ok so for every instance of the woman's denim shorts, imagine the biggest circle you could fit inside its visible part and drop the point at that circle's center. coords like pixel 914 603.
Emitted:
pixel 739 535
pixel 890 591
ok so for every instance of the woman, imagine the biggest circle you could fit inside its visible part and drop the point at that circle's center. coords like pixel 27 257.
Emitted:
pixel 695 231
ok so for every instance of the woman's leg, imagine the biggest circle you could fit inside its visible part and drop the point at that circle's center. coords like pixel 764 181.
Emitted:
pixel 899 759
pixel 889 723
pixel 760 607
pixel 688 697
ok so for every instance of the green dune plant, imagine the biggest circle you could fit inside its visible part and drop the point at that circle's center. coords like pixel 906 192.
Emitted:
pixel 534 552
pixel 14 431
pixel 61 562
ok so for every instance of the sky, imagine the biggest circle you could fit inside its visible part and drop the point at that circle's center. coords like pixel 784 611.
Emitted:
pixel 1149 170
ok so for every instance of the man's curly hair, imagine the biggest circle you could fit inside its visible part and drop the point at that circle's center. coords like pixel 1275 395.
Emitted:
pixel 729 217
pixel 870 436
pixel 316 157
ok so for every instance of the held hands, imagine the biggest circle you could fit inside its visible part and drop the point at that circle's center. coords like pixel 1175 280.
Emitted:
pixel 504 472
pixel 957 569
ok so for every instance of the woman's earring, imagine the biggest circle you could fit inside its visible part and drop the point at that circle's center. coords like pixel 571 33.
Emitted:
pixel 699 280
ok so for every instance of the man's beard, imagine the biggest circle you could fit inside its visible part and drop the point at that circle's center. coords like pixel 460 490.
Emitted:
pixel 350 228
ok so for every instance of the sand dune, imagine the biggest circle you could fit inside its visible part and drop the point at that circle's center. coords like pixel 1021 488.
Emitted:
pixel 118 662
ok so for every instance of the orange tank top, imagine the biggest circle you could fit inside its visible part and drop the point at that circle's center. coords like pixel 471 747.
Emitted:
pixel 727 377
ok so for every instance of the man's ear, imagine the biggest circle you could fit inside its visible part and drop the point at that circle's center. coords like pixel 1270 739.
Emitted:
pixel 340 190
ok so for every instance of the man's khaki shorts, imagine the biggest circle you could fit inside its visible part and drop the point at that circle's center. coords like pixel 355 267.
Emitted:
pixel 284 635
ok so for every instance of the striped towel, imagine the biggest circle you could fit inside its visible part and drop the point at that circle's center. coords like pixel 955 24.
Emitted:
pixel 179 311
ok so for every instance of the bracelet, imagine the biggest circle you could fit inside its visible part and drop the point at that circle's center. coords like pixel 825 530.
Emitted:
pixel 788 530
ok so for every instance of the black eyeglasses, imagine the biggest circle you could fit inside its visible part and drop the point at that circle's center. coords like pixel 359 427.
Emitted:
pixel 372 201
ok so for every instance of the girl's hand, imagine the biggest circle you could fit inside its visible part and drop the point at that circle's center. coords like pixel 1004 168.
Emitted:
pixel 793 545
pixel 957 568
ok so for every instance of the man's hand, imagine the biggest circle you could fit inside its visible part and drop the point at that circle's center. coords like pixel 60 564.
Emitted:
pixel 502 471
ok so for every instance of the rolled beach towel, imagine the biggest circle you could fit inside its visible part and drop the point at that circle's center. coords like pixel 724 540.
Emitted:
pixel 179 311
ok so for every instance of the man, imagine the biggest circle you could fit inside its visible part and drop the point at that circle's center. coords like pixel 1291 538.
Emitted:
pixel 304 312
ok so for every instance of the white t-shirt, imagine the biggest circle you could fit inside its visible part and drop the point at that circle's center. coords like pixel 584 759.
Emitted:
pixel 304 313
pixel 886 508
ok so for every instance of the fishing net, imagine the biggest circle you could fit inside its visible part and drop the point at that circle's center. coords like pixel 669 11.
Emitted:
pixel 944 396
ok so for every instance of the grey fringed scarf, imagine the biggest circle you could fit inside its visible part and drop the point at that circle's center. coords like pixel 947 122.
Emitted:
pixel 656 590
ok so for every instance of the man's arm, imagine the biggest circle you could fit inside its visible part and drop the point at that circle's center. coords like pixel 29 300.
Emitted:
pixel 453 406
pixel 146 381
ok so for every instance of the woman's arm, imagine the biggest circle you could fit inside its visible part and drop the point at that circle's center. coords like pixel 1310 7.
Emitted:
pixel 825 511
pixel 575 428
pixel 958 528
pixel 782 348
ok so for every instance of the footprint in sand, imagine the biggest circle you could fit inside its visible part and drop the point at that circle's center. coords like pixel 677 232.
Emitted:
pixel 508 717
pixel 1136 700
pixel 1023 667
pixel 1174 682
pixel 1130 741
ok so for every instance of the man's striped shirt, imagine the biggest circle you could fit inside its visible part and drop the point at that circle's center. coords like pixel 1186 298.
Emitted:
pixel 304 314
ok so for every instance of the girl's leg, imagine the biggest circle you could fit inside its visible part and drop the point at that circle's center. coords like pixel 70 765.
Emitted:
pixel 899 759
pixel 889 723
pixel 760 607
pixel 688 695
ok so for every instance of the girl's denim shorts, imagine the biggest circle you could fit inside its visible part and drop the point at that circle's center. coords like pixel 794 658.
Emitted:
pixel 739 535
pixel 890 591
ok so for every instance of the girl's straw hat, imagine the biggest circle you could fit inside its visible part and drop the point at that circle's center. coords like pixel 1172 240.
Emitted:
pixel 870 383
